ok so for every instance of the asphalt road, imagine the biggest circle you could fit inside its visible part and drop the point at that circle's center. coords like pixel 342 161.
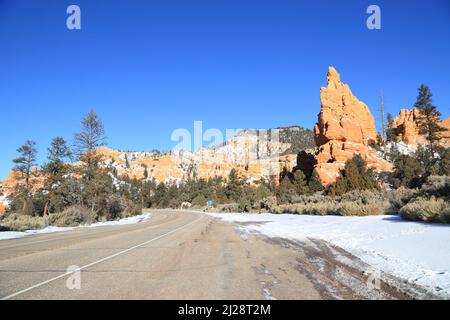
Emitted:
pixel 184 255
pixel 172 255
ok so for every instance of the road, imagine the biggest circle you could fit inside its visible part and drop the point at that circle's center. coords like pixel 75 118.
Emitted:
pixel 174 255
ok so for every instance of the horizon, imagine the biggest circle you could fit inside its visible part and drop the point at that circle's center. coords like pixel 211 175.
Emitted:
pixel 152 68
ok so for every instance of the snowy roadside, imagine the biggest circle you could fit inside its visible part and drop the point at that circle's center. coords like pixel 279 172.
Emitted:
pixel 5 235
pixel 413 251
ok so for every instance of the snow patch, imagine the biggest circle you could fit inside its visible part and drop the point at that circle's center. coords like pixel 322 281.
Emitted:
pixel 416 251
pixel 6 235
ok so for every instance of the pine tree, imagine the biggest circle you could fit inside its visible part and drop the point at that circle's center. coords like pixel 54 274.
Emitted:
pixel 25 164
pixel 314 183
pixel 285 191
pixel 300 183
pixel 91 136
pixel 127 163
pixel 390 131
pixel 55 169
pixel 354 176
pixel 234 186
pixel 145 171
pixel 407 172
pixel 96 183
pixel 430 117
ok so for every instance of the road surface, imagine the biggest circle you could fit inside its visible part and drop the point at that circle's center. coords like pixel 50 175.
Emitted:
pixel 175 255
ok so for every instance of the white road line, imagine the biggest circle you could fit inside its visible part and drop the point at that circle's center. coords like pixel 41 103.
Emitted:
pixel 94 263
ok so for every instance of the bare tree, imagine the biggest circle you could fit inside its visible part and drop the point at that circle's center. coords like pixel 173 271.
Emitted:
pixel 383 125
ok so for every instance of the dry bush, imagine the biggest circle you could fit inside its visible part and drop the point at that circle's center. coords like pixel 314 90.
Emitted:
pixel 115 206
pixel 21 222
pixel 400 197
pixel 311 198
pixel 364 196
pixel 228 207
pixel 431 210
pixel 322 208
pixel 132 209
pixel 355 203
pixel 363 209
pixel 72 216
pixel 269 203
pixel 438 186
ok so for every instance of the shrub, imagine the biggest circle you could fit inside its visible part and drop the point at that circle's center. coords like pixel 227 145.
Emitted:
pixel 72 216
pixel 362 203
pixel 430 210
pixel 438 186
pixel 313 198
pixel 229 207
pixel 400 197
pixel 363 209
pixel 20 222
pixel 199 201
pixel 133 209
pixel 321 208
pixel 268 203
pixel 115 205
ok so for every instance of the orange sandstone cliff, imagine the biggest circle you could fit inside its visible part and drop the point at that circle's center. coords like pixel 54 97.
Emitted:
pixel 345 127
pixel 406 128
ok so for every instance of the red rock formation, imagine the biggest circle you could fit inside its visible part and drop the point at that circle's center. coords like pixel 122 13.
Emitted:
pixel 8 186
pixel 406 127
pixel 345 127
pixel 446 134
pixel 254 159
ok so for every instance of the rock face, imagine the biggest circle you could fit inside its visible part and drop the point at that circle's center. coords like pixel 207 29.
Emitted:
pixel 345 127
pixel 251 153
pixel 8 186
pixel 255 154
pixel 446 134
pixel 406 127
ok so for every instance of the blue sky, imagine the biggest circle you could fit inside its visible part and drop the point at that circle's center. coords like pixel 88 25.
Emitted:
pixel 149 67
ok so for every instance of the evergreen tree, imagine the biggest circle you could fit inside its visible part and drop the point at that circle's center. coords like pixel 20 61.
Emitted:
pixel 390 131
pixel 145 171
pixel 127 163
pixel 430 117
pixel 407 172
pixel 442 165
pixel 285 191
pixel 91 136
pixel 300 183
pixel 314 183
pixel 96 182
pixel 354 176
pixel 54 170
pixel 24 164
pixel 234 186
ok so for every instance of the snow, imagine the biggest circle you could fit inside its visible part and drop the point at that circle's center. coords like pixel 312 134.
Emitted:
pixel 415 251
pixel 6 235
pixel 4 200
pixel 403 147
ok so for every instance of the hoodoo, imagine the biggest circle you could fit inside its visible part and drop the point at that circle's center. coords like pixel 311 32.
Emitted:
pixel 345 127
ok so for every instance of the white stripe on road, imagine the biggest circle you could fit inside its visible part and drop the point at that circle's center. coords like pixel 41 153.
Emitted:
pixel 94 263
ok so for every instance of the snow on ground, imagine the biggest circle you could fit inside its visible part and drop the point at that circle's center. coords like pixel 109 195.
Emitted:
pixel 5 235
pixel 415 251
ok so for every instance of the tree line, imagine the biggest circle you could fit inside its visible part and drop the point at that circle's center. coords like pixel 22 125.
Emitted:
pixel 96 187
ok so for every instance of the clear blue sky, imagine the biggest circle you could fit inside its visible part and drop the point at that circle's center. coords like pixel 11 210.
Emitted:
pixel 149 67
